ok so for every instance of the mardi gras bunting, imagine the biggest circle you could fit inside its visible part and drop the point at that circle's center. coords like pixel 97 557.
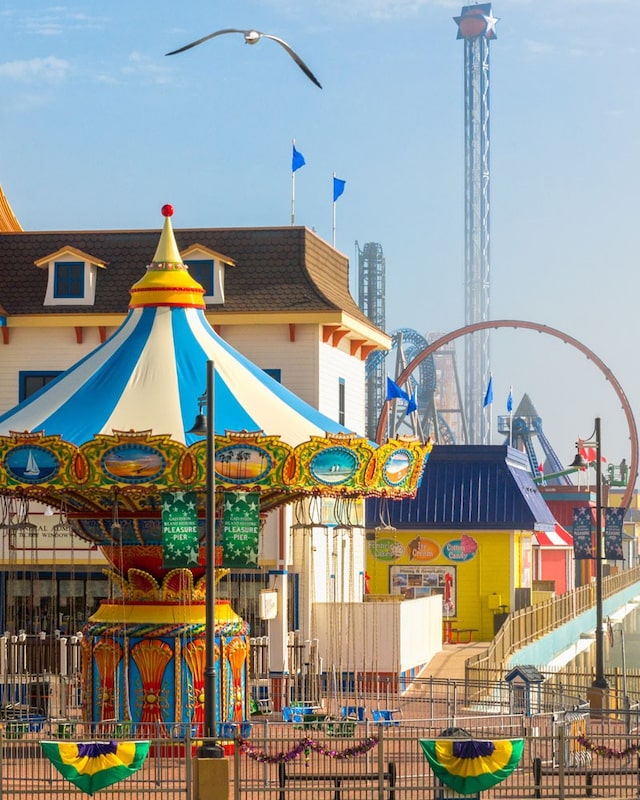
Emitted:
pixel 469 766
pixel 92 766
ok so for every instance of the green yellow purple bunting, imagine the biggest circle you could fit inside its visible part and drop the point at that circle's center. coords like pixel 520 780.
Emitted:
pixel 94 765
pixel 469 766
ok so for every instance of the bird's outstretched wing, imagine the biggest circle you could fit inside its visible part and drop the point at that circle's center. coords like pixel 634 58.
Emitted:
pixel 204 39
pixel 295 57
pixel 281 42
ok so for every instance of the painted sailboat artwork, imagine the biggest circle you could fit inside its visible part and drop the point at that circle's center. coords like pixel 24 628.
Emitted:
pixel 32 469
pixel 31 463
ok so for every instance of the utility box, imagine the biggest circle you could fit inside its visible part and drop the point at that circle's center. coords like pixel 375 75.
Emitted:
pixel 495 601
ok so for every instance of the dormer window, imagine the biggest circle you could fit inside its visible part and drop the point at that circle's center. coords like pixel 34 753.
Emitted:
pixel 72 277
pixel 202 271
pixel 68 279
pixel 208 267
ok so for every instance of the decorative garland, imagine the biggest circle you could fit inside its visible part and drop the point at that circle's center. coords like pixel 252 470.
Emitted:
pixel 607 752
pixel 305 746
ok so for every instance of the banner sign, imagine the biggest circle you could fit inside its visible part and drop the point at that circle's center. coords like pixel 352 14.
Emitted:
pixel 613 519
pixel 179 530
pixel 241 529
pixel 582 539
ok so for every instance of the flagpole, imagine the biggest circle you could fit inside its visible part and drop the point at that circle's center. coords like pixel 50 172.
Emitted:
pixel 390 406
pixel 293 188
pixel 333 238
pixel 488 401
pixel 510 416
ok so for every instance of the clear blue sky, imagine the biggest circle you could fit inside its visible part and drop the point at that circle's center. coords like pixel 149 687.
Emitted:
pixel 99 129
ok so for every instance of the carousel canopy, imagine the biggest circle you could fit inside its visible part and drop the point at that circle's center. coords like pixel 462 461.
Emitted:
pixel 118 421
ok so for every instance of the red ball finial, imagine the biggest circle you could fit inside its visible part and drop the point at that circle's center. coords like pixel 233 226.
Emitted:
pixel 167 210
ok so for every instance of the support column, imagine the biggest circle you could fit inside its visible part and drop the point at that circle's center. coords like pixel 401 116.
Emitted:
pixel 278 627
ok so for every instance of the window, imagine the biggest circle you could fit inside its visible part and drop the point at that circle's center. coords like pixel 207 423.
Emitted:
pixel 207 267
pixel 69 279
pixel 39 601
pixel 72 277
pixel 276 374
pixel 31 382
pixel 202 271
pixel 341 401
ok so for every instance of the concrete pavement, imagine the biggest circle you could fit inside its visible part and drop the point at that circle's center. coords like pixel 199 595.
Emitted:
pixel 449 663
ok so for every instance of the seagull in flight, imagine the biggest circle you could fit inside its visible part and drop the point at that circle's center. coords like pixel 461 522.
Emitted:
pixel 253 37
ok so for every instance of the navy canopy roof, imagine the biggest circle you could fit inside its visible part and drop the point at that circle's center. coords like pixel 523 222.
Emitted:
pixel 471 486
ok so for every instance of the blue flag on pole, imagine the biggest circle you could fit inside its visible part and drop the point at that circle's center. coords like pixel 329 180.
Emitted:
pixel 297 160
pixel 338 188
pixel 488 397
pixel 395 392
pixel 510 401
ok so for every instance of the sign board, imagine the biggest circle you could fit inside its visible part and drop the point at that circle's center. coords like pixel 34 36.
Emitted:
pixel 241 532
pixel 179 530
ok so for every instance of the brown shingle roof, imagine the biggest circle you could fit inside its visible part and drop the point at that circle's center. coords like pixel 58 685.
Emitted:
pixel 277 269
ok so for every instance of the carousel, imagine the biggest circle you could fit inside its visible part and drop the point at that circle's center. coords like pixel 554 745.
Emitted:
pixel 108 444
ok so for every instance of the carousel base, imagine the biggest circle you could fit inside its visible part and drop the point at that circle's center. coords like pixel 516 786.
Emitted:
pixel 145 662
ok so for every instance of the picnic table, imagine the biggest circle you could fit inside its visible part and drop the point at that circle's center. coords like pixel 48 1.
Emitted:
pixel 462 635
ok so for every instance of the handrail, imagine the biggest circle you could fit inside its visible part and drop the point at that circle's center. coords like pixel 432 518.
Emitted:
pixel 528 624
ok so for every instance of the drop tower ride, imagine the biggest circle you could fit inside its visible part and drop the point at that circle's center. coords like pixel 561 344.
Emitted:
pixel 476 26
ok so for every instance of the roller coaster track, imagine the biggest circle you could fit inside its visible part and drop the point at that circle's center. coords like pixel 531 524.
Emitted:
pixel 564 337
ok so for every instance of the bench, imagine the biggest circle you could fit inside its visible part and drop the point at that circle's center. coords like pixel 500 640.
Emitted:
pixel 465 633
pixel 587 770
pixel 388 778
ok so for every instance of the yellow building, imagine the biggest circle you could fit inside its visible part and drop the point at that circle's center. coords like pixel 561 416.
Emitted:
pixel 469 535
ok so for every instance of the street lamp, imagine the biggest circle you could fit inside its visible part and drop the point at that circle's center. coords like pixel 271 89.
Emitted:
pixel 600 681
pixel 205 426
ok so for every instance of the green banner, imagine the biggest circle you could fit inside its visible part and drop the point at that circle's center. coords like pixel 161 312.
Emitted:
pixel 241 529
pixel 179 529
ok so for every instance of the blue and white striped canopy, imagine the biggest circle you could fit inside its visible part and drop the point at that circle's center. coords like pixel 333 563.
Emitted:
pixel 149 375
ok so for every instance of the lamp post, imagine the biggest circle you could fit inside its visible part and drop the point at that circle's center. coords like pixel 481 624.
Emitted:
pixel 600 682
pixel 206 426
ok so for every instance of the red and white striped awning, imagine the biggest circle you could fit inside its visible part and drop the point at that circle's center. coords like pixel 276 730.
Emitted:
pixel 558 538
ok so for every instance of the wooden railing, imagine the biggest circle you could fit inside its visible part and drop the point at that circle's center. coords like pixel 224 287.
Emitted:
pixel 528 624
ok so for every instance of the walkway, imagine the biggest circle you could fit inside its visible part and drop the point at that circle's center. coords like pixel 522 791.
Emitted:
pixel 449 663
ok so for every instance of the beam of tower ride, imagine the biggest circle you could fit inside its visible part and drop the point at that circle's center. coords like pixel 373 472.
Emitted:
pixel 476 26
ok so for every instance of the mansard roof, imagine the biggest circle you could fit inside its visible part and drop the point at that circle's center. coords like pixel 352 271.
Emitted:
pixel 288 269
pixel 472 487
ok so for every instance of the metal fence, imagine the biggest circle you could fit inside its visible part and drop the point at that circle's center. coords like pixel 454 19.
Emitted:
pixel 26 772
pixel 564 756
pixel 575 753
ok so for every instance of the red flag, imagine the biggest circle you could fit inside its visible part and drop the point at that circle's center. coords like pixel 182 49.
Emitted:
pixel 590 454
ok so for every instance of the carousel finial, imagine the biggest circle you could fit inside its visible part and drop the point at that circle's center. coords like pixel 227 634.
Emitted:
pixel 167 281
pixel 167 253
